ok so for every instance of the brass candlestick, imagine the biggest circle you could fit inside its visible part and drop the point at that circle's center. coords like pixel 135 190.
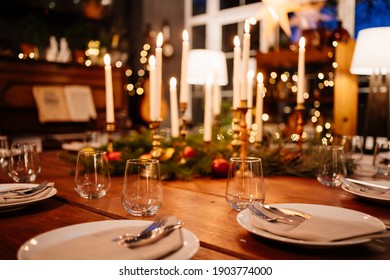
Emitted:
pixel 236 130
pixel 156 138
pixel 299 117
pixel 183 127
pixel 110 128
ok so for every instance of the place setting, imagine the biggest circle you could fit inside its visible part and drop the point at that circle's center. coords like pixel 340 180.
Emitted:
pixel 23 167
pixel 163 238
pixel 376 187
pixel 309 225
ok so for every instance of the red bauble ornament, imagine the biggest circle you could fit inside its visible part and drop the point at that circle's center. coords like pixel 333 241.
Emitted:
pixel 220 167
pixel 189 152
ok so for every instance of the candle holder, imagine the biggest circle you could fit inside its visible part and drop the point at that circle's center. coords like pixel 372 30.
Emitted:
pixel 243 109
pixel 183 127
pixel 236 130
pixel 299 118
pixel 156 138
pixel 110 128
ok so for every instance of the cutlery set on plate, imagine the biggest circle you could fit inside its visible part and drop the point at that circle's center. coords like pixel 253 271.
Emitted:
pixel 157 230
pixel 291 224
pixel 14 193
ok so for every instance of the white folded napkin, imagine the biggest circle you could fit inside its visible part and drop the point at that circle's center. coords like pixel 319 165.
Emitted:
pixel 11 197
pixel 99 246
pixel 316 228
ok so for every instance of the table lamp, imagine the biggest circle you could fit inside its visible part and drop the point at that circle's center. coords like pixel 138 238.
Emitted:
pixel 372 57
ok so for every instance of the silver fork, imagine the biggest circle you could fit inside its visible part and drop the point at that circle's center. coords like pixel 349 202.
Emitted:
pixel 263 216
pixel 122 239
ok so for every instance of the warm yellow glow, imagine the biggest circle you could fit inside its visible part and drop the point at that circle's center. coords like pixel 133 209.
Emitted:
pixel 185 35
pixel 118 64
pixel 335 65
pixel 250 75
pixel 140 91
pixel 172 82
pixel 284 77
pixel 141 72
pixel 159 41
pixel 319 128
pixel 265 117
pixel 146 47
pixel 143 53
pixel 236 41
pixel 302 42
pixel 128 73
pixel 260 78
pixel 246 27
pixel 306 95
pixel 327 125
pixel 129 87
pixel 107 59
pixel 152 60
pixel 273 75
pixel 321 76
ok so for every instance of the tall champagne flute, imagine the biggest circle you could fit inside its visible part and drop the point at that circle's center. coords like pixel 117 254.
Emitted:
pixel 24 165
pixel 245 182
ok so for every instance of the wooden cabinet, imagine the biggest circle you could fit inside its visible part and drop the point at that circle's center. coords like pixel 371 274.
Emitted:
pixel 332 89
pixel 18 111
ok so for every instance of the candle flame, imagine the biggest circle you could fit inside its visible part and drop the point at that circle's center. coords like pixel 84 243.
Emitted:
pixel 250 75
pixel 246 27
pixel 159 40
pixel 185 35
pixel 236 41
pixel 107 59
pixel 302 42
pixel 152 61
pixel 260 78
pixel 173 82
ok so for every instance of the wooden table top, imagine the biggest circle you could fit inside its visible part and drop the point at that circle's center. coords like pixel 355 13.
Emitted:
pixel 200 203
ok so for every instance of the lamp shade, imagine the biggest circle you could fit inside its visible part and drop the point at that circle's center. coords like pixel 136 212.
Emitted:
pixel 205 66
pixel 372 52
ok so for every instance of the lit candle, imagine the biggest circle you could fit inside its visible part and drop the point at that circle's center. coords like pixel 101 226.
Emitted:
pixel 208 111
pixel 245 61
pixel 174 109
pixel 184 62
pixel 259 107
pixel 110 118
pixel 236 72
pixel 250 77
pixel 301 71
pixel 152 87
pixel 158 74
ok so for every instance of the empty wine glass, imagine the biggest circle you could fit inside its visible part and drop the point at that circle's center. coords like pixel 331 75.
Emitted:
pixel 245 182
pixel 24 165
pixel 4 151
pixel 92 178
pixel 142 189
pixel 382 159
pixel 331 165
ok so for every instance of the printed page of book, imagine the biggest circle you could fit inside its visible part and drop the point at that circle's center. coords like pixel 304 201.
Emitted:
pixel 80 103
pixel 51 104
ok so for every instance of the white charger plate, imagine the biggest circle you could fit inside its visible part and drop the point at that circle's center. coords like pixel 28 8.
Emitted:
pixel 53 237
pixel 21 204
pixel 244 219
pixel 374 196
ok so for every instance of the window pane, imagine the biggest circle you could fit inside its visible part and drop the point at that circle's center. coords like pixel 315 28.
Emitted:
pixel 226 4
pixel 228 33
pixel 251 1
pixel 199 37
pixel 255 36
pixel 198 7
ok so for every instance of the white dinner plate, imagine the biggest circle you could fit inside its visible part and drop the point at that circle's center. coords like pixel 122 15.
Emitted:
pixel 21 204
pixel 244 219
pixel 53 237
pixel 74 146
pixel 370 195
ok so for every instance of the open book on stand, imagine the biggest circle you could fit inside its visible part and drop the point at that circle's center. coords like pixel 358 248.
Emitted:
pixel 71 103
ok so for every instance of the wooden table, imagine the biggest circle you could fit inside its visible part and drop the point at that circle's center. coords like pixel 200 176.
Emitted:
pixel 200 203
